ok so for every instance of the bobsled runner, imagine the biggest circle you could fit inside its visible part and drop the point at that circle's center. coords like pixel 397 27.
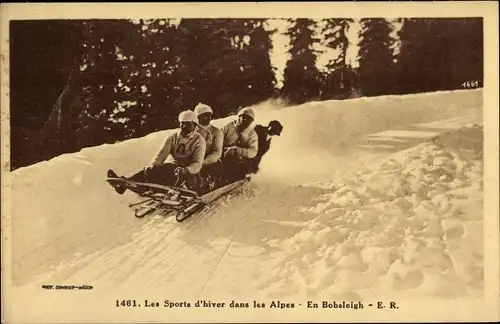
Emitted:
pixel 161 198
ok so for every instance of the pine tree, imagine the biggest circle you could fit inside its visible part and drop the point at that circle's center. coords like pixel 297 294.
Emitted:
pixel 204 52
pixel 335 31
pixel 466 52
pixel 45 89
pixel 147 93
pixel 236 88
pixel 419 60
pixel 458 52
pixel 103 72
pixel 439 54
pixel 43 53
pixel 165 80
pixel 260 74
pixel 301 75
pixel 216 63
pixel 339 79
pixel 376 58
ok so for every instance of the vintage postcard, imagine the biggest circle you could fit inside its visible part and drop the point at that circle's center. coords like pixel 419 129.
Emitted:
pixel 250 162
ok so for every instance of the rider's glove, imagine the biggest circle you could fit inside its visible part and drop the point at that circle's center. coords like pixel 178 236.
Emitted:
pixel 230 151
pixel 180 171
pixel 147 169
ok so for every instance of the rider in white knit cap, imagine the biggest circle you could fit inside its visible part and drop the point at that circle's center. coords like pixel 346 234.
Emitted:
pixel 213 135
pixel 212 166
pixel 185 150
pixel 240 145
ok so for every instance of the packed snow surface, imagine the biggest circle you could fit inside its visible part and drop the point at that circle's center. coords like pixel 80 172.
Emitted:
pixel 357 199
pixel 413 225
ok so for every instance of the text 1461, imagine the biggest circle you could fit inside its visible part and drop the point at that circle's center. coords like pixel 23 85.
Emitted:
pixel 126 303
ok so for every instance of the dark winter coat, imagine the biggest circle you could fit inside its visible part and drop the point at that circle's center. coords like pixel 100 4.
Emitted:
pixel 264 143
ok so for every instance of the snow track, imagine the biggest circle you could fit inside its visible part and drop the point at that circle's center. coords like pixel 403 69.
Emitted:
pixel 314 221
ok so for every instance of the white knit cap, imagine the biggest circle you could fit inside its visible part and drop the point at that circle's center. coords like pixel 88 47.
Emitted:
pixel 188 116
pixel 248 112
pixel 202 109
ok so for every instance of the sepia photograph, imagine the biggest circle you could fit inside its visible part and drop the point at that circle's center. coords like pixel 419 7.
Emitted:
pixel 250 162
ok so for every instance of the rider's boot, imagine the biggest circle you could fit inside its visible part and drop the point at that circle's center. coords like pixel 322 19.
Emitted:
pixel 118 188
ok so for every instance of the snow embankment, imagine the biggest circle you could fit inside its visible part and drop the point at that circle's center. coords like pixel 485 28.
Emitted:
pixel 412 226
pixel 310 130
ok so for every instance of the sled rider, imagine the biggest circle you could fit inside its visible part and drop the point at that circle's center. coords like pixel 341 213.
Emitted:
pixel 240 145
pixel 265 134
pixel 212 166
pixel 185 150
